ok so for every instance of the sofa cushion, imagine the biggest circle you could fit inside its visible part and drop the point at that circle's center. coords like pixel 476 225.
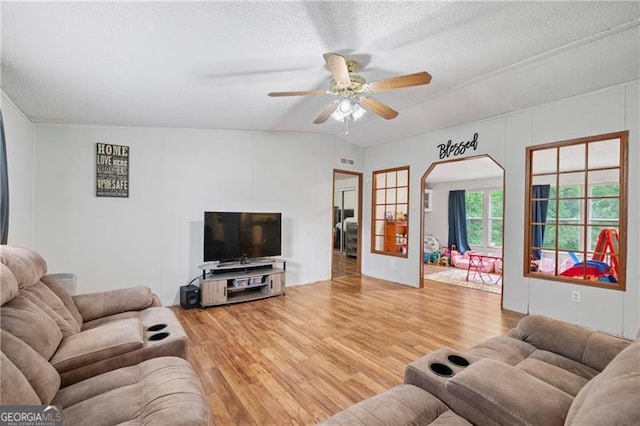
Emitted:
pixel 42 377
pixel 491 392
pixel 571 341
pixel 27 265
pixel 567 364
pixel 56 287
pixel 98 305
pixel 501 348
pixel 98 344
pixel 159 391
pixel 14 387
pixel 8 284
pixel 611 398
pixel 556 376
pixel 401 405
pixel 25 320
pixel 51 304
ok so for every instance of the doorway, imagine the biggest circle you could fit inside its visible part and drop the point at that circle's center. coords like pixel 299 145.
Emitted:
pixel 463 224
pixel 346 223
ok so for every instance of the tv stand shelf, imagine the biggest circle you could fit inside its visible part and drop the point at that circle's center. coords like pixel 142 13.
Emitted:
pixel 233 282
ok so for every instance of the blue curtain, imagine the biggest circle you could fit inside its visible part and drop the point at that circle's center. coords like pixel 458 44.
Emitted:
pixel 4 187
pixel 540 197
pixel 458 221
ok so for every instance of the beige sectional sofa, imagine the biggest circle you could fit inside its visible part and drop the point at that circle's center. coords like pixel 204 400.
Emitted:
pixel 544 372
pixel 107 358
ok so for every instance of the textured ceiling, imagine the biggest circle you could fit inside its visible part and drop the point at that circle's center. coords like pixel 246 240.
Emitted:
pixel 211 64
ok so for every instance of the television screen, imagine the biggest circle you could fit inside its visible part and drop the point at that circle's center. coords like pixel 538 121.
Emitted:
pixel 239 235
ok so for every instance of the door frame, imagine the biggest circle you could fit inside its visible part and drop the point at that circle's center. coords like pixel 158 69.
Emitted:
pixel 423 181
pixel 359 216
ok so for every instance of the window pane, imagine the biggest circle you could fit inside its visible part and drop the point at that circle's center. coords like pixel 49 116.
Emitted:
pixel 496 233
pixel 403 178
pixel 390 212
pixel 604 154
pixel 570 211
pixel 569 238
pixel 391 179
pixel 544 161
pixel 380 199
pixel 572 157
pixel 401 209
pixel 549 236
pixel 594 234
pixel 570 184
pixel 380 212
pixel 403 195
pixel 474 203
pixel 601 187
pixel 546 180
pixel 604 210
pixel 391 196
pixel 379 244
pixel 380 180
pixel 474 231
pixel 496 203
pixel 379 227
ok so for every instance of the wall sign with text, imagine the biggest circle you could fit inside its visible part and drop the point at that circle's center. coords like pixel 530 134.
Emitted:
pixel 112 170
pixel 459 148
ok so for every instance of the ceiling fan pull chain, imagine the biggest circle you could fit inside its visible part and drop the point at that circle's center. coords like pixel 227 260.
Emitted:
pixel 346 126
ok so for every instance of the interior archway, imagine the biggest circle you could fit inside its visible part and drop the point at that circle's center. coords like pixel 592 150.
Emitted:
pixel 479 184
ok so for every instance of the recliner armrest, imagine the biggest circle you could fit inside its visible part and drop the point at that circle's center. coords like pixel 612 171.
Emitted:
pixel 489 391
pixel 99 305
pixel 98 344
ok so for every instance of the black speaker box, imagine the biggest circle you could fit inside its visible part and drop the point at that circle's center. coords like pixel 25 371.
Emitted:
pixel 190 296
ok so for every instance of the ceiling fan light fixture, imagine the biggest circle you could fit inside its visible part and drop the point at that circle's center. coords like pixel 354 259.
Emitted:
pixel 347 108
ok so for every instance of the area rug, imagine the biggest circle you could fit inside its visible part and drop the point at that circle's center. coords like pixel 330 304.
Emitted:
pixel 457 277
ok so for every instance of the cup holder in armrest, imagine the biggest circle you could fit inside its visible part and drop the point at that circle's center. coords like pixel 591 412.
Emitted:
pixel 156 327
pixel 158 336
pixel 441 369
pixel 458 360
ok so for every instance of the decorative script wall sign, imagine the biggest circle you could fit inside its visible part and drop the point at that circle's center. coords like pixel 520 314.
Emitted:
pixel 457 148
pixel 112 170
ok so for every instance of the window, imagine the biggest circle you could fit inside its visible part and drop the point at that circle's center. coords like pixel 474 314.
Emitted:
pixel 484 217
pixel 576 214
pixel 474 205
pixel 390 209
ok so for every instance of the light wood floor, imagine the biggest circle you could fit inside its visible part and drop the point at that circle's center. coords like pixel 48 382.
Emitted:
pixel 299 358
pixel 343 265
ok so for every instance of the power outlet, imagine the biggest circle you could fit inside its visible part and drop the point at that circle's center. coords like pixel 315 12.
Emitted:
pixel 575 296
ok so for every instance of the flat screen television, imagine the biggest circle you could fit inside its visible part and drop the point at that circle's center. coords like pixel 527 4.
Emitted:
pixel 241 236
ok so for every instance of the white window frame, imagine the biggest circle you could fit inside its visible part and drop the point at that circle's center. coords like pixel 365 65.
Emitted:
pixel 486 218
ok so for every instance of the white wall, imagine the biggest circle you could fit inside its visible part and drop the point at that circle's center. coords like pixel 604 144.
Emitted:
pixel 504 138
pixel 154 237
pixel 19 137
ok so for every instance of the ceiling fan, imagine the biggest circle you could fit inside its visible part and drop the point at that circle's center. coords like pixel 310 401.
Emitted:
pixel 353 89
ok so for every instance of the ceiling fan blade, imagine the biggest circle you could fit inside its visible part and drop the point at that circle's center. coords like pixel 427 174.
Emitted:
pixel 378 107
pixel 306 93
pixel 327 112
pixel 402 81
pixel 338 67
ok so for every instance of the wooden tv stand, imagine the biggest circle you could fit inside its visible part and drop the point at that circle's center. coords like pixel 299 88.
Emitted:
pixel 233 282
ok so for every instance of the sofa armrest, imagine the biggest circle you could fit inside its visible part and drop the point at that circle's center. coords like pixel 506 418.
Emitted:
pixel 580 344
pixel 98 305
pixel 503 394
pixel 98 344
